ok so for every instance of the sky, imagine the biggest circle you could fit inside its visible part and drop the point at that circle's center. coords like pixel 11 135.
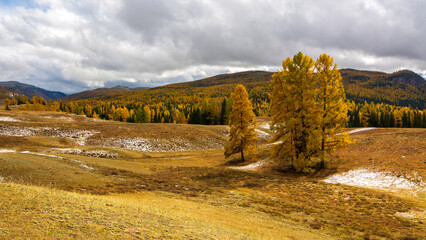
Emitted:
pixel 73 45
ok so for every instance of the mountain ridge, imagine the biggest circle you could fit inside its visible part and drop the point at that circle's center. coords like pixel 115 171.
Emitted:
pixel 31 90
pixel 98 92
pixel 402 88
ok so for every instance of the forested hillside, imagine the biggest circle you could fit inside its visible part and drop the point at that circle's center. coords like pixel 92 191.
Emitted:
pixel 402 88
pixel 31 91
pixel 208 101
pixel 99 92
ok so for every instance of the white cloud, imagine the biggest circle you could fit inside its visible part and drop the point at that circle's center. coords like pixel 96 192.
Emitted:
pixel 75 45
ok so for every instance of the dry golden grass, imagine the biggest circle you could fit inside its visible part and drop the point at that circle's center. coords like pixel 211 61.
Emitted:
pixel 193 194
pixel 394 149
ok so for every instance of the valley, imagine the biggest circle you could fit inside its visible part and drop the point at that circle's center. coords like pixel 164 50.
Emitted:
pixel 73 177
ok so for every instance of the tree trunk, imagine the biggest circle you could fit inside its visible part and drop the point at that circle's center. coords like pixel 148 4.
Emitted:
pixel 242 156
pixel 324 104
pixel 322 165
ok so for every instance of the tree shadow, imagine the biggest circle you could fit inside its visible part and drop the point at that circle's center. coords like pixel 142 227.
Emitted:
pixel 234 162
pixel 318 172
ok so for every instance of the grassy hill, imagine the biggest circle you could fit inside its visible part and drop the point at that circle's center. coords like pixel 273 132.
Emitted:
pixel 30 90
pixel 403 88
pixel 60 177
pixel 100 92
pixel 248 77
pixel 7 93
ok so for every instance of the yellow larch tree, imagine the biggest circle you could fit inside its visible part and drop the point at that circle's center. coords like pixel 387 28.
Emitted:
pixel 332 105
pixel 294 113
pixel 242 123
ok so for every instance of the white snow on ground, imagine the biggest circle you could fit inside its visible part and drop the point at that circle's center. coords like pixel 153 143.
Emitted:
pixel 84 152
pixel 264 125
pixel 7 151
pixel 80 136
pixel 41 154
pixel 9 119
pixel 75 160
pixel 87 167
pixel 377 180
pixel 157 145
pixel 411 215
pixel 54 156
pixel 59 118
pixel 350 132
pixel 274 143
pixel 262 134
pixel 361 130
pixel 251 167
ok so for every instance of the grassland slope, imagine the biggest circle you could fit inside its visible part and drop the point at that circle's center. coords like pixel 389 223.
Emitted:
pixel 403 88
pixel 54 187
pixel 100 92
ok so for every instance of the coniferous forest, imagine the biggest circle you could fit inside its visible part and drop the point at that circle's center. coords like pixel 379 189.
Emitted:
pixel 372 99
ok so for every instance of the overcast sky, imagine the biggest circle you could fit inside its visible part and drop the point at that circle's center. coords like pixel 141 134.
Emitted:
pixel 73 45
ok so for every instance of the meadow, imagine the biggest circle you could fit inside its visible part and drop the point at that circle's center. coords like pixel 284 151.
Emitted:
pixel 66 176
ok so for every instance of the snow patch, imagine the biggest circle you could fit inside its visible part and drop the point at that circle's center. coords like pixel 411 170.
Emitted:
pixel 87 167
pixel 264 125
pixel 377 180
pixel 262 134
pixel 411 215
pixel 89 153
pixel 7 151
pixel 80 136
pixel 41 154
pixel 77 161
pixel 361 130
pixel 157 145
pixel 82 164
pixel 9 119
pixel 251 167
pixel 274 143
pixel 58 118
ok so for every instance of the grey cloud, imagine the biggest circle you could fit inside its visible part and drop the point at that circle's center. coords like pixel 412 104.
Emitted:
pixel 134 42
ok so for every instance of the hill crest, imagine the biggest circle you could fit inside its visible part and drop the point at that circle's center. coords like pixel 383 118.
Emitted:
pixel 99 92
pixel 30 90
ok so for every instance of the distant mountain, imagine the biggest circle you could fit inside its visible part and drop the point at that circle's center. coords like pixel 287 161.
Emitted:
pixel 423 75
pixel 406 76
pixel 99 92
pixel 7 93
pixel 138 88
pixel 30 90
pixel 247 77
pixel 402 88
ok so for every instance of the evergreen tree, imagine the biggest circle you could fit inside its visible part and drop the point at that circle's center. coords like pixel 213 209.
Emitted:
pixel 6 104
pixel 146 114
pixel 294 112
pixel 308 109
pixel 332 105
pixel 242 122
pixel 223 119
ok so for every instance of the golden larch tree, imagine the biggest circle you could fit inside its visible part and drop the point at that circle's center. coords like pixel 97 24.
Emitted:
pixel 242 123
pixel 332 105
pixel 294 113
